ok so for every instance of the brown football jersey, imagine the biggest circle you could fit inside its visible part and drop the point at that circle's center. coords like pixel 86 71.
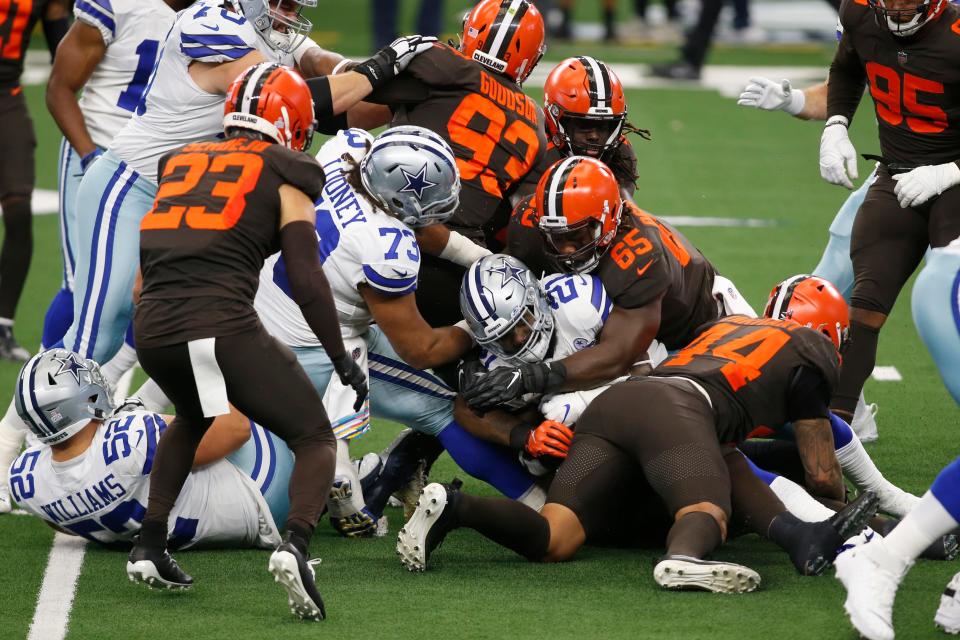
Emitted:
pixel 748 367
pixel 647 259
pixel 914 82
pixel 215 220
pixel 495 130
pixel 17 20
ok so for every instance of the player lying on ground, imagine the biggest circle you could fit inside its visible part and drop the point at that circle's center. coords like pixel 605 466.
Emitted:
pixel 705 394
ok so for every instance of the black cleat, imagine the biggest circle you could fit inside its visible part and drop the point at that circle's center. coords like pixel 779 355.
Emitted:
pixel 157 569
pixel 295 574
pixel 825 539
pixel 429 525
pixel 10 349
pixel 679 70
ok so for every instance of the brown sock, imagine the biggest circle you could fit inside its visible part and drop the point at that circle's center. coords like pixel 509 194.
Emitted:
pixel 695 534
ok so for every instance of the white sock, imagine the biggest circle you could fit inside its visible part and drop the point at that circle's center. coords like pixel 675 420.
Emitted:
pixel 860 468
pixel 917 531
pixel 122 362
pixel 345 467
pixel 12 434
pixel 798 502
pixel 153 397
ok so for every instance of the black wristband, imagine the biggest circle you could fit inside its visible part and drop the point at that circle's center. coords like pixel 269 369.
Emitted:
pixel 519 435
pixel 322 99
pixel 556 376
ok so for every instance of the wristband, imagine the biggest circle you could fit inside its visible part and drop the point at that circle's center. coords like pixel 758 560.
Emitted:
pixel 519 435
pixel 462 251
pixel 798 100
pixel 463 326
pixel 302 49
pixel 833 120
pixel 340 66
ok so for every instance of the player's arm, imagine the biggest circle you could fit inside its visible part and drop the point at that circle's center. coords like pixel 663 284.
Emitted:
pixel 80 52
pixel 808 399
pixel 216 77
pixel 770 95
pixel 417 343
pixel 438 240
pixel 523 431
pixel 55 24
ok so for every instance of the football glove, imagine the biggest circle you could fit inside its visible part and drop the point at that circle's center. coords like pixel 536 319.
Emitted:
pixel 916 187
pixel 505 384
pixel 87 161
pixel 352 376
pixel 393 58
pixel 838 158
pixel 551 438
pixel 469 372
pixel 568 407
pixel 765 94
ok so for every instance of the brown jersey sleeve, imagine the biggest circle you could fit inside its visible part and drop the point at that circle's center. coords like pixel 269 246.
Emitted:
pixel 297 169
pixel 847 76
pixel 642 282
pixel 441 66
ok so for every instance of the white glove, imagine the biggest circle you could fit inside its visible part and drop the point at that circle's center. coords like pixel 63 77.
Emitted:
pixel 838 158
pixel 568 407
pixel 408 48
pixel 916 187
pixel 763 93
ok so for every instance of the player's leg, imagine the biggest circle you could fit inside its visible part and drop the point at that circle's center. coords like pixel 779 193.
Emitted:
pixel 835 264
pixel 16 186
pixel 111 201
pixel 936 312
pixel 872 572
pixel 887 245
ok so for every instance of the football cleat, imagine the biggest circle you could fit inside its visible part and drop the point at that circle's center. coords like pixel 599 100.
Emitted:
pixel 409 494
pixel 864 422
pixel 345 516
pixel 296 575
pixel 431 522
pixel 685 572
pixel 157 569
pixel 826 539
pixel 871 577
pixel 948 613
pixel 10 349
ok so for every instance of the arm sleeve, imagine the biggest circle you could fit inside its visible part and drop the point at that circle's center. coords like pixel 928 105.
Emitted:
pixel 53 32
pixel 216 37
pixel 440 66
pixel 846 82
pixel 311 291
pixel 808 395
pixel 327 122
pixel 97 14
pixel 298 169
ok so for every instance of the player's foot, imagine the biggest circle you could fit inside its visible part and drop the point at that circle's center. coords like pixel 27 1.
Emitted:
pixel 9 348
pixel 368 470
pixel 295 574
pixel 948 613
pixel 684 572
pixel 679 70
pixel 871 577
pixel 944 548
pixel 409 493
pixel 864 422
pixel 345 517
pixel 429 525
pixel 823 540
pixel 157 569
pixel 6 503
pixel 896 501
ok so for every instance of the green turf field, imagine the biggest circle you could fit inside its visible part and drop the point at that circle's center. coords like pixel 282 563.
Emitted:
pixel 708 157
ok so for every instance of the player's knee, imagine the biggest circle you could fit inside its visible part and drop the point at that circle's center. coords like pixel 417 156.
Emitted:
pixel 721 514
pixel 567 534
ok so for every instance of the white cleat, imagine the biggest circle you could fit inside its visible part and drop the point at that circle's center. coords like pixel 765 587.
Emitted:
pixel 6 503
pixel 684 572
pixel 864 422
pixel 948 613
pixel 871 577
pixel 296 575
pixel 426 529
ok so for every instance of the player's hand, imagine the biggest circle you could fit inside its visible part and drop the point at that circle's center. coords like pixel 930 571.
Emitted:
pixel 353 376
pixel 509 383
pixel 564 407
pixel 769 95
pixel 393 58
pixel 87 161
pixel 916 187
pixel 838 158
pixel 551 438
pixel 469 372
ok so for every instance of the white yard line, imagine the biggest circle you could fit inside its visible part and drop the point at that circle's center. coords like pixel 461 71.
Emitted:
pixel 59 586
pixel 887 374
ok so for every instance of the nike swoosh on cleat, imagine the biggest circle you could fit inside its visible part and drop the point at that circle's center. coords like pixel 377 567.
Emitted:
pixel 643 270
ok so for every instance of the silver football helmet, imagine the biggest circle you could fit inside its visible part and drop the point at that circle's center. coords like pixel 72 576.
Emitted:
pixel 58 392
pixel 411 173
pixel 506 309
pixel 278 22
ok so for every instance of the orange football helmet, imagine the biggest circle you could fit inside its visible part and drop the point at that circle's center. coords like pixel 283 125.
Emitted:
pixel 584 94
pixel 578 208
pixel 506 36
pixel 812 302
pixel 272 100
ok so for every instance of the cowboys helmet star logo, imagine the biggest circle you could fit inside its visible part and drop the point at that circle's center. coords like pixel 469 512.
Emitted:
pixel 507 272
pixel 417 182
pixel 70 364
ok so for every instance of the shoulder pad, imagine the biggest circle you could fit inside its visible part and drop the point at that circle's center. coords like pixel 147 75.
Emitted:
pixel 355 142
pixel 211 34
pixel 392 259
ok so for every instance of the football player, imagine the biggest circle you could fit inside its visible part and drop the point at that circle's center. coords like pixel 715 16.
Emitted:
pixel 17 22
pixel 377 193
pixel 906 51
pixel 89 474
pixel 222 208
pixel 705 394
pixel 661 286
pixel 472 97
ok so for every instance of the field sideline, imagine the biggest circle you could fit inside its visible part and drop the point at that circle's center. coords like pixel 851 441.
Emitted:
pixel 708 157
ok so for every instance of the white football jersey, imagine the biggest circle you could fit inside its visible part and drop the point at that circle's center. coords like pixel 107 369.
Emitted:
pixel 133 32
pixel 102 493
pixel 175 111
pixel 358 245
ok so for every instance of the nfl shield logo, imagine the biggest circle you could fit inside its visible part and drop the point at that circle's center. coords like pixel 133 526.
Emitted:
pixel 902 58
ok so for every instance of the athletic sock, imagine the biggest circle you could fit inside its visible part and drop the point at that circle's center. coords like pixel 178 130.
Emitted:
pixel 119 364
pixel 695 534
pixel 507 522
pixel 299 536
pixel 153 397
pixel 798 502
pixel 856 462
pixel 859 359
pixel 754 503
pixel 936 514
